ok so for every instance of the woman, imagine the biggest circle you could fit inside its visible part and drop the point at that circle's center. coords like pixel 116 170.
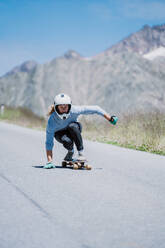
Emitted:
pixel 64 127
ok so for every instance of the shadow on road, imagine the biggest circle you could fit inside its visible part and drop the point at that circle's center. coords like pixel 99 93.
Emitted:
pixel 38 166
pixel 60 167
pixel 57 167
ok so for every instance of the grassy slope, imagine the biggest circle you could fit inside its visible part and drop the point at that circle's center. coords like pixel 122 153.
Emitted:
pixel 23 117
pixel 140 131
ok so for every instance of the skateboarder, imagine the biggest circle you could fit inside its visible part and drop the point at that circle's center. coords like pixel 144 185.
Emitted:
pixel 64 127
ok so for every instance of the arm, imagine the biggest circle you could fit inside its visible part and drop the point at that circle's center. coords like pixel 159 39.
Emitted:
pixel 49 154
pixel 49 145
pixel 49 164
pixel 108 117
pixel 49 140
pixel 88 110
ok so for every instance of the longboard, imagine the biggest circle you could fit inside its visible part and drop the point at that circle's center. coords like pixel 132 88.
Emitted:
pixel 77 164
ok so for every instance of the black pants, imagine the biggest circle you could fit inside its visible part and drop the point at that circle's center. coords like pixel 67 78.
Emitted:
pixel 70 135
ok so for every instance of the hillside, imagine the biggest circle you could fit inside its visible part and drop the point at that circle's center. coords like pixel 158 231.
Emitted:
pixel 120 79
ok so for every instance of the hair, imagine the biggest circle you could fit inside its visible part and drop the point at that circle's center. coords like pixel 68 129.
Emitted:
pixel 51 109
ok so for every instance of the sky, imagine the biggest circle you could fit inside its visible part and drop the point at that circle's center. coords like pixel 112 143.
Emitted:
pixel 42 30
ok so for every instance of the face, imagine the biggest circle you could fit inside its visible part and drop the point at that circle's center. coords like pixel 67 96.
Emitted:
pixel 63 108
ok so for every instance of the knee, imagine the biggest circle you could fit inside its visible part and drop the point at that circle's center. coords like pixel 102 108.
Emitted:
pixel 67 143
pixel 66 140
pixel 74 126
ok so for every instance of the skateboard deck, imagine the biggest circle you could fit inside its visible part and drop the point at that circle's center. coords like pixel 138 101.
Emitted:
pixel 77 164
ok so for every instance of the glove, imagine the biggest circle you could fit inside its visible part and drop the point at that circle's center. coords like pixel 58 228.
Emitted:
pixel 113 119
pixel 49 165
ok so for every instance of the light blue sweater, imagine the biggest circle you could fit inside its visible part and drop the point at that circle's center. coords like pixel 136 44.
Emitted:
pixel 55 123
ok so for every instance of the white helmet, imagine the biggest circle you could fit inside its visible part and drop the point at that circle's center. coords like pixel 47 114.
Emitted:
pixel 62 99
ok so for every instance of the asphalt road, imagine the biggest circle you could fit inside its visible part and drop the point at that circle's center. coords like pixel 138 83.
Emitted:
pixel 118 204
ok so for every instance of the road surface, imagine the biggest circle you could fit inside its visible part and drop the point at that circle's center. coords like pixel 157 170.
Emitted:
pixel 118 204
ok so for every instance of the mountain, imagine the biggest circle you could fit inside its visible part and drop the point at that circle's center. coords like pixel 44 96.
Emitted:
pixel 121 79
pixel 143 41
pixel 25 67
pixel 158 52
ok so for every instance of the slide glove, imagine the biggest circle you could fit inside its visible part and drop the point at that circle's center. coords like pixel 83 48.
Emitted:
pixel 49 165
pixel 113 119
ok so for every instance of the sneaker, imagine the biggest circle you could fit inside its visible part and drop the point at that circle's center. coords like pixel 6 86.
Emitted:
pixel 81 156
pixel 69 156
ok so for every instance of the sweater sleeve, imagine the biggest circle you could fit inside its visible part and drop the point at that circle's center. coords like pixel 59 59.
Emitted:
pixel 50 134
pixel 88 110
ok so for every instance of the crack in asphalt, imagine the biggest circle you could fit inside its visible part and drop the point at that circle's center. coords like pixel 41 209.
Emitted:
pixel 43 211
pixel 67 231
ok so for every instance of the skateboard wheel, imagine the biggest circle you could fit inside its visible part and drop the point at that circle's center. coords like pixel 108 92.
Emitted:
pixel 88 167
pixel 63 164
pixel 79 165
pixel 75 167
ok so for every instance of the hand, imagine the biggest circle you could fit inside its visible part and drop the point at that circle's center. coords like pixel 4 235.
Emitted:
pixel 49 165
pixel 113 119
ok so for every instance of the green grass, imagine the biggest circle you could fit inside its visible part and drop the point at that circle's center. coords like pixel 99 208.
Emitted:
pixel 140 131
pixel 23 117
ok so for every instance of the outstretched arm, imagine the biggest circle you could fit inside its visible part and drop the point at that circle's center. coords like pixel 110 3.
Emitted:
pixel 112 119
pixel 87 110
pixel 108 117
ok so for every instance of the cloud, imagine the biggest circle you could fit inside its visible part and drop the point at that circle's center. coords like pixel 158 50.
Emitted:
pixel 143 10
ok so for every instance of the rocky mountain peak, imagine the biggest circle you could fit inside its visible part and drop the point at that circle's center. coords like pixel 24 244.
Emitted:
pixel 146 27
pixel 144 41
pixel 71 54
pixel 27 66
pixel 160 28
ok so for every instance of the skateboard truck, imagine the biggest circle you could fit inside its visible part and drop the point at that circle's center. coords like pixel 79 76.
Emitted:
pixel 77 164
